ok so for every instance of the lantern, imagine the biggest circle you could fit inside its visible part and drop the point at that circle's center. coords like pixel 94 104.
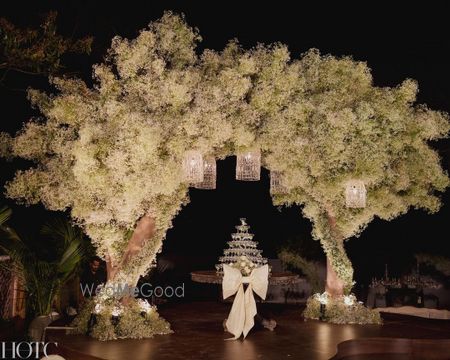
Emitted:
pixel 276 183
pixel 209 174
pixel 355 194
pixel 248 166
pixel 193 167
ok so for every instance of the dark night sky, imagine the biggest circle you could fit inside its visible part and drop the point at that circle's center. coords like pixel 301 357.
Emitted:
pixel 412 43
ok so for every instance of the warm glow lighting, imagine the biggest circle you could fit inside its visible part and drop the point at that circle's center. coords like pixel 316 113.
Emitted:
pixel 145 306
pixel 248 166
pixel 276 183
pixel 209 174
pixel 323 298
pixel 193 167
pixel 355 194
pixel 116 311
pixel 349 300
pixel 98 309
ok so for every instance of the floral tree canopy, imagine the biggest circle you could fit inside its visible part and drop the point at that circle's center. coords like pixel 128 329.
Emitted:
pixel 113 154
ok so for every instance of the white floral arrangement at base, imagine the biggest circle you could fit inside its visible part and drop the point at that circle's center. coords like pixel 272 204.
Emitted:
pixel 113 320
pixel 345 309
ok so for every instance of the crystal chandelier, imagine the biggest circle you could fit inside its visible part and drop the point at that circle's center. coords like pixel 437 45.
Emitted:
pixel 355 194
pixel 276 183
pixel 193 167
pixel 248 166
pixel 209 174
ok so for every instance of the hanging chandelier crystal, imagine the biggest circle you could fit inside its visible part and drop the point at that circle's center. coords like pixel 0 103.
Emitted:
pixel 355 194
pixel 248 166
pixel 209 174
pixel 193 167
pixel 276 183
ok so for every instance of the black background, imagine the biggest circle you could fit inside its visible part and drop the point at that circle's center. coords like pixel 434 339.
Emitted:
pixel 410 42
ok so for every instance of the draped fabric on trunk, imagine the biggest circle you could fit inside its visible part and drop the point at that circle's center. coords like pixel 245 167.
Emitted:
pixel 336 258
pixel 145 229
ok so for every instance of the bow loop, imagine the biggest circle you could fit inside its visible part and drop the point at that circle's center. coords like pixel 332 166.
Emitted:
pixel 259 280
pixel 232 278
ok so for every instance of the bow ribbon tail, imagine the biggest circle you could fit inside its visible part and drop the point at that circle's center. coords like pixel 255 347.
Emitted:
pixel 250 306
pixel 237 317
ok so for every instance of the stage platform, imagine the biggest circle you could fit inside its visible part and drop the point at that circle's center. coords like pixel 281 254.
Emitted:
pixel 198 334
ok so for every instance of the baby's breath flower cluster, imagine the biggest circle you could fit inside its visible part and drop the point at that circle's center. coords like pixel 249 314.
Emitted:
pixel 340 310
pixel 113 320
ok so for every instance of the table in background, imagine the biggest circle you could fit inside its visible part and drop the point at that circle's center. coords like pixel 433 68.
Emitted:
pixel 284 278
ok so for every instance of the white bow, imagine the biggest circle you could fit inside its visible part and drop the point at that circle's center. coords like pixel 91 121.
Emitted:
pixel 240 320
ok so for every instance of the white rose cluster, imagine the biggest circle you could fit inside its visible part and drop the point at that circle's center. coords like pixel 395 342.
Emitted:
pixel 244 265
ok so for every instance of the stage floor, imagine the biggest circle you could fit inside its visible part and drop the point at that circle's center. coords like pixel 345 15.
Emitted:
pixel 198 334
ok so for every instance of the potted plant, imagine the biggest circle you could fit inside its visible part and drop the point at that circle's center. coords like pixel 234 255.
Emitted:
pixel 42 278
